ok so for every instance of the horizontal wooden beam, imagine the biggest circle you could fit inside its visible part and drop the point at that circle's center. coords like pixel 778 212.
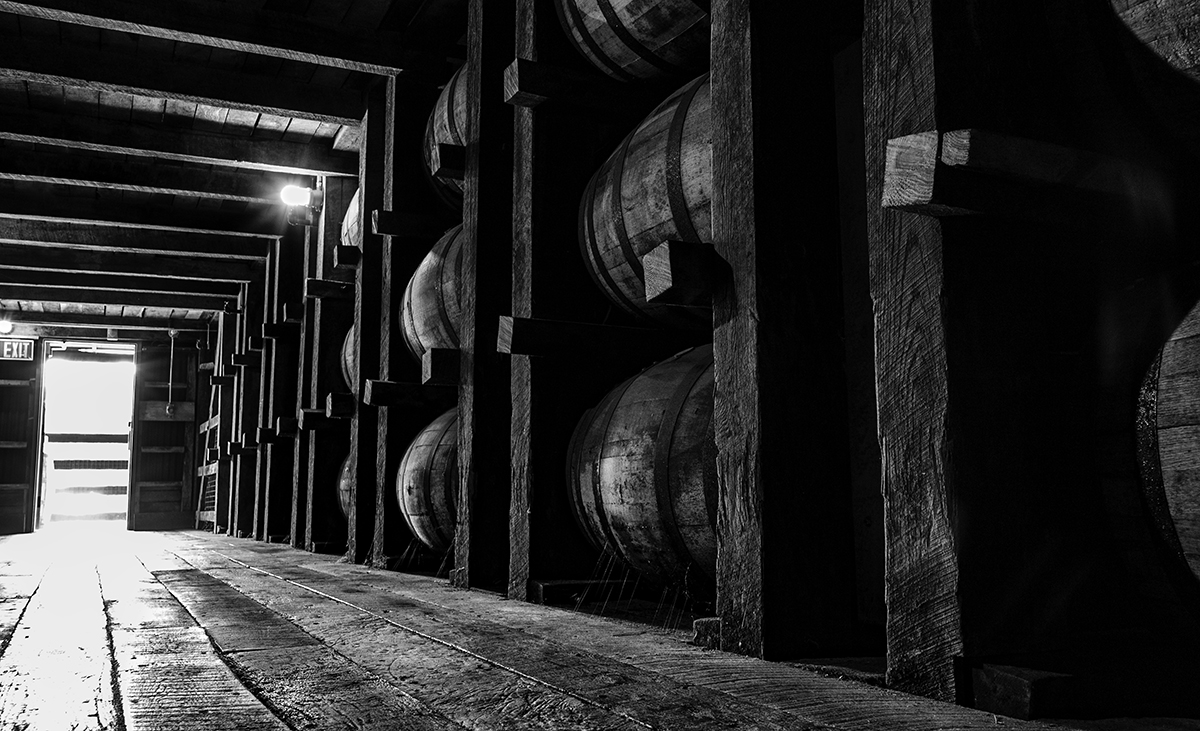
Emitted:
pixel 107 236
pixel 289 331
pixel 102 262
pixel 533 84
pixel 44 203
pixel 164 143
pixel 25 330
pixel 328 289
pixel 340 405
pixel 530 336
pixel 229 26
pixel 27 293
pixel 391 393
pixel 970 172
pixel 102 322
pixel 118 282
pixel 160 178
pixel 441 367
pixel 77 66
pixel 682 273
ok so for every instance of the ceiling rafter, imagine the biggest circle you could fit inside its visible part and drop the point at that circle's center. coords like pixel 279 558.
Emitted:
pixel 116 238
pixel 231 27
pixel 161 142
pixel 41 277
pixel 82 260
pixel 28 293
pixel 80 67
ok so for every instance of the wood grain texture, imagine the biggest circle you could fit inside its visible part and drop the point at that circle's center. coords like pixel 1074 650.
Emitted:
pixel 431 308
pixel 924 624
pixel 189 83
pixel 780 388
pixel 656 187
pixel 481 538
pixel 426 486
pixel 246 30
pixel 114 237
pixel 163 142
pixel 447 125
pixel 632 41
pixel 642 471
pixel 84 260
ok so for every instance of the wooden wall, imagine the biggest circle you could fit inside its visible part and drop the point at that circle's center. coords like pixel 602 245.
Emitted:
pixel 949 241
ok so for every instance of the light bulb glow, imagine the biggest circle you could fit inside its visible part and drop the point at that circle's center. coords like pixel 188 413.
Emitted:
pixel 5 327
pixel 294 195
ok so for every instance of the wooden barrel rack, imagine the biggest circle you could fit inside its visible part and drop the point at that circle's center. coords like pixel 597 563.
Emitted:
pixel 939 250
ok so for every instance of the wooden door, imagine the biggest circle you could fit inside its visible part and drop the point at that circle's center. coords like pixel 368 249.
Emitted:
pixel 162 459
pixel 20 433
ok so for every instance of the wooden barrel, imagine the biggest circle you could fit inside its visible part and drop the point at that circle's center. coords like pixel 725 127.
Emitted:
pixel 633 40
pixel 642 469
pixel 345 484
pixel 1169 441
pixel 429 311
pixel 350 359
pixel 447 125
pixel 657 187
pixel 427 483
pixel 352 223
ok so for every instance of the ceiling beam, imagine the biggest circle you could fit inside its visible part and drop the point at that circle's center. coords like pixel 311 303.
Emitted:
pixel 105 262
pixel 229 26
pixel 48 203
pixel 122 282
pixel 81 319
pixel 26 293
pixel 115 238
pixel 77 66
pixel 93 171
pixel 67 332
pixel 164 143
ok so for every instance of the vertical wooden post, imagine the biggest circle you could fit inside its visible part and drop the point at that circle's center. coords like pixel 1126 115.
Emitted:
pixel 281 357
pixel 481 539
pixel 924 635
pixel 551 170
pixel 406 191
pixel 1009 352
pixel 785 568
pixel 325 528
pixel 247 379
pixel 306 355
pixel 266 388
pixel 375 175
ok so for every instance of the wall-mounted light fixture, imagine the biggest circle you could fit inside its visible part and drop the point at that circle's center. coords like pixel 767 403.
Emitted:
pixel 303 204
pixel 5 327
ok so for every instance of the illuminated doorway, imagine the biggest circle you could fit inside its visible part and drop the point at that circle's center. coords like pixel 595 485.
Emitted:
pixel 89 388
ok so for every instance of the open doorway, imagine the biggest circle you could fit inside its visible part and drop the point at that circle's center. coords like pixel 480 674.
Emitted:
pixel 88 400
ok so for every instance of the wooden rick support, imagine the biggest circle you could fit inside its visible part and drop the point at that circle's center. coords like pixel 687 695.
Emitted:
pixel 1033 250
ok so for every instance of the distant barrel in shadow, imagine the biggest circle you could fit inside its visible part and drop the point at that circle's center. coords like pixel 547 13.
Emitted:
pixel 427 483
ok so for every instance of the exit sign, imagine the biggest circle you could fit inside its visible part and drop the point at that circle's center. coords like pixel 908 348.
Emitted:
pixel 16 349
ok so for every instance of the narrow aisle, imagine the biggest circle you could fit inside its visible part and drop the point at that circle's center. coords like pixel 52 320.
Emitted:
pixel 56 672
pixel 96 612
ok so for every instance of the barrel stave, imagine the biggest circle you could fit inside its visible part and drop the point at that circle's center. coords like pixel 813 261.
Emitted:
pixel 427 483
pixel 643 469
pixel 430 309
pixel 656 187
pixel 639 40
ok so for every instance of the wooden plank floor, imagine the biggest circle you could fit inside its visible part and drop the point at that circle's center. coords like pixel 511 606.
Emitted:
pixel 105 629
